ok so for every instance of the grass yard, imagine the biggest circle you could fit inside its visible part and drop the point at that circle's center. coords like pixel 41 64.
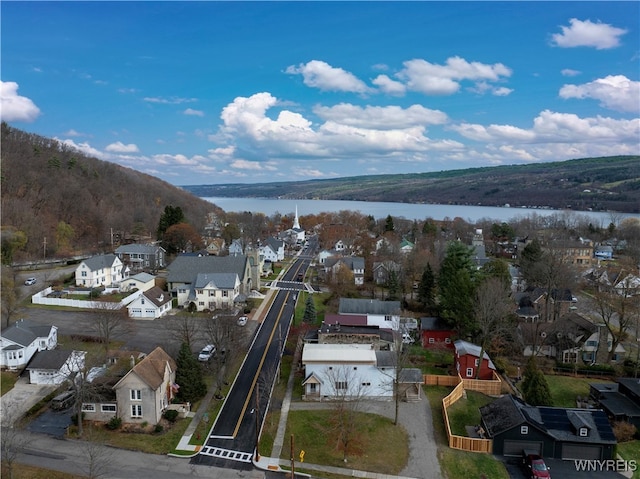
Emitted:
pixel 21 471
pixel 457 464
pixel 7 381
pixel 565 389
pixel 371 451
pixel 630 451
pixel 465 412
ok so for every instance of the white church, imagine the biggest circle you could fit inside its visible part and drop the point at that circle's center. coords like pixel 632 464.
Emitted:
pixel 295 234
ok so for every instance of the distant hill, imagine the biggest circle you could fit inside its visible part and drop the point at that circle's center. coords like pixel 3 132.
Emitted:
pixel 69 203
pixel 599 184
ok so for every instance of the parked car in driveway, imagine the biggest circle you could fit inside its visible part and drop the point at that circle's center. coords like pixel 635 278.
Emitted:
pixel 30 281
pixel 534 466
pixel 207 352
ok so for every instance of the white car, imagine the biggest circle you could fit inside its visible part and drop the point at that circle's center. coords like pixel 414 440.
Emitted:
pixel 207 352
pixel 242 320
pixel 30 281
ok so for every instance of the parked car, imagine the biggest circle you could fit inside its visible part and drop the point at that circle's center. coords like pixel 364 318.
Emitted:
pixel 534 466
pixel 242 320
pixel 207 352
pixel 30 281
pixel 62 401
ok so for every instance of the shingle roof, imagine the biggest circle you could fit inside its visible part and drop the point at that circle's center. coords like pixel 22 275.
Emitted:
pixel 138 248
pixel 185 268
pixel 157 296
pixel 217 280
pixel 102 261
pixel 464 347
pixel 143 277
pixel 433 324
pixel 386 359
pixel 368 306
pixel 151 369
pixel 502 414
pixel 24 332
pixel 52 360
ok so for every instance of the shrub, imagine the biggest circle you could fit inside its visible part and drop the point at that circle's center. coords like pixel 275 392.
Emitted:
pixel 114 423
pixel 171 415
pixel 158 428
pixel 624 431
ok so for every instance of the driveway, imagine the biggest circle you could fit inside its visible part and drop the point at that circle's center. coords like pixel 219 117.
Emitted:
pixel 23 396
pixel 559 469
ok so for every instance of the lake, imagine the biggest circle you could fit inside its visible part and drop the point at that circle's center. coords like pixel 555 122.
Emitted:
pixel 378 210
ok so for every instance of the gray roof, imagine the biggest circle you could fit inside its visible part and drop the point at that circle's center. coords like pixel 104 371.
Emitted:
pixel 217 280
pixel 184 269
pixel 24 332
pixel 502 414
pixel 102 261
pixel 143 277
pixel 157 296
pixel 386 359
pixel 432 323
pixel 464 347
pixel 632 384
pixel 368 306
pixel 274 243
pixel 53 359
pixel 410 375
pixel 135 248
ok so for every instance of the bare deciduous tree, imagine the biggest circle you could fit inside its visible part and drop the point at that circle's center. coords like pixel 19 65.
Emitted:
pixel 99 457
pixel 9 295
pixel 12 441
pixel 111 322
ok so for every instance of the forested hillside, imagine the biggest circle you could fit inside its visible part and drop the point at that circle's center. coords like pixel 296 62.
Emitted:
pixel 59 202
pixel 600 184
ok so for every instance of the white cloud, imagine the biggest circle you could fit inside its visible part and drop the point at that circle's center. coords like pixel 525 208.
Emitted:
pixel 615 92
pixel 568 72
pixel 588 34
pixel 389 86
pixel 119 147
pixel 432 79
pixel 15 107
pixel 169 101
pixel 382 118
pixel 85 148
pixel 246 165
pixel 319 74
pixel 73 132
pixel 192 112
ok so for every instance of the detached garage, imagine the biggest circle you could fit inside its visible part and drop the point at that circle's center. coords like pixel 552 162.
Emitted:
pixel 557 433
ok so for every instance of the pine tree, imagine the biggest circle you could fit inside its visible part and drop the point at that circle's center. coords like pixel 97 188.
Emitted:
pixel 189 376
pixel 427 290
pixel 456 284
pixel 388 225
pixel 393 287
pixel 535 388
pixel 310 314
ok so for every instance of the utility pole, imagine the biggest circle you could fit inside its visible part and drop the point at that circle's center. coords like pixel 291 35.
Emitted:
pixel 257 422
pixel 44 248
pixel 293 462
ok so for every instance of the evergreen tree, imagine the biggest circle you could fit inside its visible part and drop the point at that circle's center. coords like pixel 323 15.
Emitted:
pixel 535 388
pixel 310 314
pixel 393 287
pixel 497 268
pixel 189 376
pixel 427 290
pixel 388 225
pixel 172 215
pixel 456 284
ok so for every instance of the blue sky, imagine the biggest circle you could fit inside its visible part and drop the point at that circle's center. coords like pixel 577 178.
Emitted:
pixel 248 92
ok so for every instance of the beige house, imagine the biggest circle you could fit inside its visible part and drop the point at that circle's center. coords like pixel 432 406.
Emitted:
pixel 146 391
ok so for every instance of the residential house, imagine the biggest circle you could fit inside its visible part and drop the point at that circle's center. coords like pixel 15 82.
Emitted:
pixel 151 304
pixel 558 433
pixel 384 314
pixel 140 281
pixel 142 257
pixel 335 332
pixel 211 291
pixel 628 285
pixel 603 252
pixel 382 271
pixel 347 370
pixel 467 361
pixel 146 391
pixel 354 264
pixel 237 246
pixel 406 246
pixel 102 270
pixel 596 349
pixel 54 367
pixel 538 304
pixel 272 250
pixel 479 255
pixel 436 333
pixel 215 246
pixel 578 253
pixel 325 254
pixel 620 400
pixel 20 341
pixel 184 270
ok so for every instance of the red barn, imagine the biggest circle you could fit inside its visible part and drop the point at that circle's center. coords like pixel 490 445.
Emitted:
pixel 434 332
pixel 467 361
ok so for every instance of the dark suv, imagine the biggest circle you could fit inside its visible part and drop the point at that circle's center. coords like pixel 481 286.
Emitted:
pixel 534 466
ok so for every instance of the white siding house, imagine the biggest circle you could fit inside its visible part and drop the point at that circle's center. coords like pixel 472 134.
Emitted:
pixel 151 304
pixel 384 314
pixel 211 291
pixel 55 367
pixel 20 341
pixel 103 270
pixel 273 250
pixel 347 370
pixel 141 282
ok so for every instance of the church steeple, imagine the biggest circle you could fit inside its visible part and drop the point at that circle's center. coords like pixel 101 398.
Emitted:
pixel 296 221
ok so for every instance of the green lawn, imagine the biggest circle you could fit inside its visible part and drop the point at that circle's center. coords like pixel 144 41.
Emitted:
pixel 7 381
pixel 465 412
pixel 630 451
pixel 565 389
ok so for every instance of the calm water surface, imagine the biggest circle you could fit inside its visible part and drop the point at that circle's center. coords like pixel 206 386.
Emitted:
pixel 378 210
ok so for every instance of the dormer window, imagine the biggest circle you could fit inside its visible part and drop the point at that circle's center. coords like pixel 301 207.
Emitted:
pixel 524 430
pixel 584 432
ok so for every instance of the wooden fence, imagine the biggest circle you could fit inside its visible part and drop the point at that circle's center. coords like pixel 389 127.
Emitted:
pixel 462 442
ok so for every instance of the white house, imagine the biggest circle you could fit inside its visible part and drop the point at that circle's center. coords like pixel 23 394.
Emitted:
pixel 273 250
pixel 151 304
pixel 140 281
pixel 102 270
pixel 211 291
pixel 355 264
pixel 384 314
pixel 20 341
pixel 347 370
pixel 55 366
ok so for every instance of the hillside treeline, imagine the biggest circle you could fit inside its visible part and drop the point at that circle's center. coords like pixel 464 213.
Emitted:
pixel 58 202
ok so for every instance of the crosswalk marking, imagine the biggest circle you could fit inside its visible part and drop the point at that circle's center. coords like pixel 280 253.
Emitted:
pixel 227 454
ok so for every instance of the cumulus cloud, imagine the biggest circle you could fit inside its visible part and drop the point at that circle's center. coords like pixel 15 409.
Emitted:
pixel 14 106
pixel 432 79
pixel 568 72
pixel 319 74
pixel 119 147
pixel 85 148
pixel 615 92
pixel 585 33
pixel 73 132
pixel 169 101
pixel 192 112
pixel 382 118
pixel 389 86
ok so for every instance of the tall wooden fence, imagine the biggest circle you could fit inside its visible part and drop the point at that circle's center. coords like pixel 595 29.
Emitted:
pixel 491 387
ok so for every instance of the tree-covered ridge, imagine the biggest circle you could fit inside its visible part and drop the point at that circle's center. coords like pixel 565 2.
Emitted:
pixel 611 183
pixel 58 202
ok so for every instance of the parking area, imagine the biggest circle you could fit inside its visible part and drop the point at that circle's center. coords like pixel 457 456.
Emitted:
pixel 562 470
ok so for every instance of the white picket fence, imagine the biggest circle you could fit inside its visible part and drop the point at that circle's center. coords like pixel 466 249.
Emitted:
pixel 41 298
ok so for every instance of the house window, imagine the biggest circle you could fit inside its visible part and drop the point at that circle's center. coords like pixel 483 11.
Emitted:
pixel 355 368
pixel 366 384
pixel 341 385
pixel 136 410
pixel 432 340
pixel 88 408
pixel 225 294
pixel 136 395
pixel 469 372
pixel 447 340
pixel 524 430
pixel 199 292
pixel 584 432
pixel 84 274
pixel 212 293
pixel 108 408
pixel 312 387
pixel 388 318
pixel 476 362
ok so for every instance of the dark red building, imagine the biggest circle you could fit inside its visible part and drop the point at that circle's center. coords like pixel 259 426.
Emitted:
pixel 467 361
pixel 435 333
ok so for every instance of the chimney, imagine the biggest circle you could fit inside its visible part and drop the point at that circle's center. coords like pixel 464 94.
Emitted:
pixel 133 361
